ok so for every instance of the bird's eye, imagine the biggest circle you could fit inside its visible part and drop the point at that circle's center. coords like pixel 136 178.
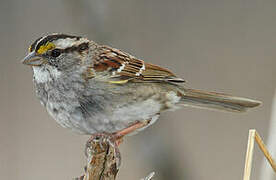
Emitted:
pixel 83 46
pixel 55 52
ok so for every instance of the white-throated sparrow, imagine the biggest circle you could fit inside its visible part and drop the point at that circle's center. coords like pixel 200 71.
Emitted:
pixel 92 88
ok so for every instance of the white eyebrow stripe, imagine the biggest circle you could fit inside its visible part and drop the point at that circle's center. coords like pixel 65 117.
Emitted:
pixel 69 42
pixel 64 43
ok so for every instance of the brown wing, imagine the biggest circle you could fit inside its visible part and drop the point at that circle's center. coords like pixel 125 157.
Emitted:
pixel 122 67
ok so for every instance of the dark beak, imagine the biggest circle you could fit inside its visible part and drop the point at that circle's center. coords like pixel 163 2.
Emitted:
pixel 33 59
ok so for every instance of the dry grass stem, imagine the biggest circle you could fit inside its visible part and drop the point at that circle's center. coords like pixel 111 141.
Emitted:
pixel 263 148
pixel 254 136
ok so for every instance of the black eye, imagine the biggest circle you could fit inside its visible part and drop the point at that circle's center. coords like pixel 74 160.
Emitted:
pixel 83 46
pixel 55 52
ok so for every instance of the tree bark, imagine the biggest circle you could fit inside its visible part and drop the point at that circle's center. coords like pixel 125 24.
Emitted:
pixel 101 161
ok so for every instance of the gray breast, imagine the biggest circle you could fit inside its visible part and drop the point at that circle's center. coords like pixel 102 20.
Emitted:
pixel 97 106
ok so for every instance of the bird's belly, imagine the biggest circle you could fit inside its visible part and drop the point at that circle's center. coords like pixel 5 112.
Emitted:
pixel 108 121
pixel 126 115
pixel 66 116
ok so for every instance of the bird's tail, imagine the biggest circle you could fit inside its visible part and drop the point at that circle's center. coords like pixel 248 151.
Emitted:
pixel 217 101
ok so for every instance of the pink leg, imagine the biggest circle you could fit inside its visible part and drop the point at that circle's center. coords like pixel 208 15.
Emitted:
pixel 135 126
pixel 114 139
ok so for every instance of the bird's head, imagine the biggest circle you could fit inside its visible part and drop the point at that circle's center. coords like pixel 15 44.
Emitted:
pixel 58 53
pixel 57 50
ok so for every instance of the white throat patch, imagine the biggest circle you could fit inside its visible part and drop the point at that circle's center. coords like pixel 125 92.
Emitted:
pixel 43 74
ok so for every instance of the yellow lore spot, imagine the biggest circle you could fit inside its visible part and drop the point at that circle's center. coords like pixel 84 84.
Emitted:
pixel 43 48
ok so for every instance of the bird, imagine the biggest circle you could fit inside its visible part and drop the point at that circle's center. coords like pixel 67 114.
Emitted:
pixel 96 89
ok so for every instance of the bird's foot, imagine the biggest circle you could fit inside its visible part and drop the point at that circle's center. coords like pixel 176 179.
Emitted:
pixel 100 142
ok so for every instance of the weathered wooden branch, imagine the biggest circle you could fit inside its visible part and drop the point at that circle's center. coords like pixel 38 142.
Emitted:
pixel 103 156
pixel 103 161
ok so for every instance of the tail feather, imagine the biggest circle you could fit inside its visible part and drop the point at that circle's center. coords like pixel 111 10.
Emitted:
pixel 217 101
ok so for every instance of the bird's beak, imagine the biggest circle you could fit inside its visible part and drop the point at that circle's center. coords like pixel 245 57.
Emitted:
pixel 33 59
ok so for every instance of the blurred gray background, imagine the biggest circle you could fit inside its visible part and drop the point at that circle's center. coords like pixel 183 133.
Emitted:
pixel 220 45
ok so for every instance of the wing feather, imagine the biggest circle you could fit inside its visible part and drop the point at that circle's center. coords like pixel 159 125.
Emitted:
pixel 122 68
